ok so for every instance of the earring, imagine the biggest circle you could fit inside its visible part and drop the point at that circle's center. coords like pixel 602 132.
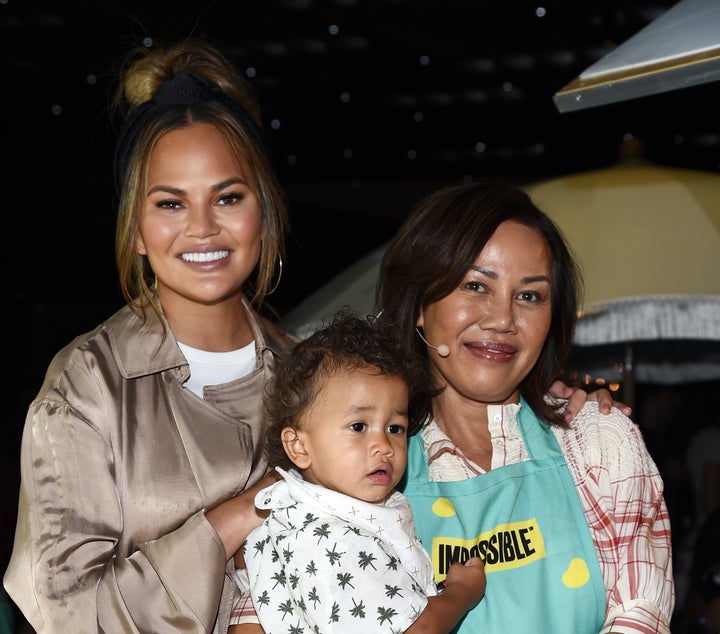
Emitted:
pixel 274 288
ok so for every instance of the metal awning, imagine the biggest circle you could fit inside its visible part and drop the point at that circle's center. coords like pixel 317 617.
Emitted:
pixel 679 49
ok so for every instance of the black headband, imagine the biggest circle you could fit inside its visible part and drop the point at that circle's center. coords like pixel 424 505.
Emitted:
pixel 182 90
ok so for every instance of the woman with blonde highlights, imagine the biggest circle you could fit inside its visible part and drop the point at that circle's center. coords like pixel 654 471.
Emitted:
pixel 140 453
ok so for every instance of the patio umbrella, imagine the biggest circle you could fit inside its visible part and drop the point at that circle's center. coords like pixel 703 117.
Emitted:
pixel 648 240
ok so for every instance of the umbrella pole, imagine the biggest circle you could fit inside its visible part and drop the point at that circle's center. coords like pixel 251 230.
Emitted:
pixel 629 376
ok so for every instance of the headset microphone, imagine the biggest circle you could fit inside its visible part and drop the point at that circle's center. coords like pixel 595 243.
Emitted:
pixel 443 350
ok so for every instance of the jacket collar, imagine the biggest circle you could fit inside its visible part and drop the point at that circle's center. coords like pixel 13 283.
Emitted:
pixel 141 347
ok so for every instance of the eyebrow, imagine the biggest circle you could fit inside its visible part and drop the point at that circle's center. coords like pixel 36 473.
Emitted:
pixel 525 280
pixel 179 192
pixel 359 409
pixel 356 409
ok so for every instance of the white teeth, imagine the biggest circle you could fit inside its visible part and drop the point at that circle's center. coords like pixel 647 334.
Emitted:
pixel 205 257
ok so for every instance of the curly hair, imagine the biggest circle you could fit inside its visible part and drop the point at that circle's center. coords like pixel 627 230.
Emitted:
pixel 347 342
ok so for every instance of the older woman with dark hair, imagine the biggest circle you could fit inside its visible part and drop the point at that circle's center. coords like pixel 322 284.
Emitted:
pixel 566 512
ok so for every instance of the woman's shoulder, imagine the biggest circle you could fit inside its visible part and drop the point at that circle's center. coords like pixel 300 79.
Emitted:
pixel 610 441
pixel 71 356
pixel 591 420
pixel 71 384
pixel 93 356
pixel 605 430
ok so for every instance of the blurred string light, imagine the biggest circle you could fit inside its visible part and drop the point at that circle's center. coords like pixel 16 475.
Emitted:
pixel 309 52
pixel 590 381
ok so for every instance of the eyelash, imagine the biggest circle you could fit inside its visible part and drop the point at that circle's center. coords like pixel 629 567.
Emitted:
pixel 234 197
pixel 225 200
pixel 527 295
pixel 399 429
pixel 167 204
pixel 534 297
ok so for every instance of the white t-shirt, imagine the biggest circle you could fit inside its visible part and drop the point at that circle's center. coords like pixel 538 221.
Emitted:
pixel 214 368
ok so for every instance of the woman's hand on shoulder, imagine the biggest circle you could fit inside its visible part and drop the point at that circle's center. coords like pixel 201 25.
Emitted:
pixel 576 398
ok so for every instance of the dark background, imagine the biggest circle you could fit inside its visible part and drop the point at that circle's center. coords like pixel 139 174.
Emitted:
pixel 369 105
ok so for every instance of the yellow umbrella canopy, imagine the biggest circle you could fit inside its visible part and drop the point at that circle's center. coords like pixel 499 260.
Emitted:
pixel 639 230
pixel 648 241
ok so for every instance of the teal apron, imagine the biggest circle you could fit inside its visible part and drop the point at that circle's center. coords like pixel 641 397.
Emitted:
pixel 526 522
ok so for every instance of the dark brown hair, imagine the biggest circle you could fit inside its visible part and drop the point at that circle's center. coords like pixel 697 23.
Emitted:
pixel 436 246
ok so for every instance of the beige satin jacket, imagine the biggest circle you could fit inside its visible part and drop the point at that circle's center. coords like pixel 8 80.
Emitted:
pixel 118 463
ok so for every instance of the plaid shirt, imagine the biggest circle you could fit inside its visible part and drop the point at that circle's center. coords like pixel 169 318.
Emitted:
pixel 621 493
pixel 243 611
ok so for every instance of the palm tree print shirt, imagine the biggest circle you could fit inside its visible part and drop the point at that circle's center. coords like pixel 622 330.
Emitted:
pixel 326 562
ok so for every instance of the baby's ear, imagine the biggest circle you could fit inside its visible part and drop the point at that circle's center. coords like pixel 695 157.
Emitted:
pixel 294 447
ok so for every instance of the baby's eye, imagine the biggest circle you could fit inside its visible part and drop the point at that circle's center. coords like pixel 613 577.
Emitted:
pixel 359 426
pixel 396 429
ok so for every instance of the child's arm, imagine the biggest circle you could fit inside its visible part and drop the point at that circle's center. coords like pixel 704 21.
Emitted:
pixel 246 628
pixel 464 587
